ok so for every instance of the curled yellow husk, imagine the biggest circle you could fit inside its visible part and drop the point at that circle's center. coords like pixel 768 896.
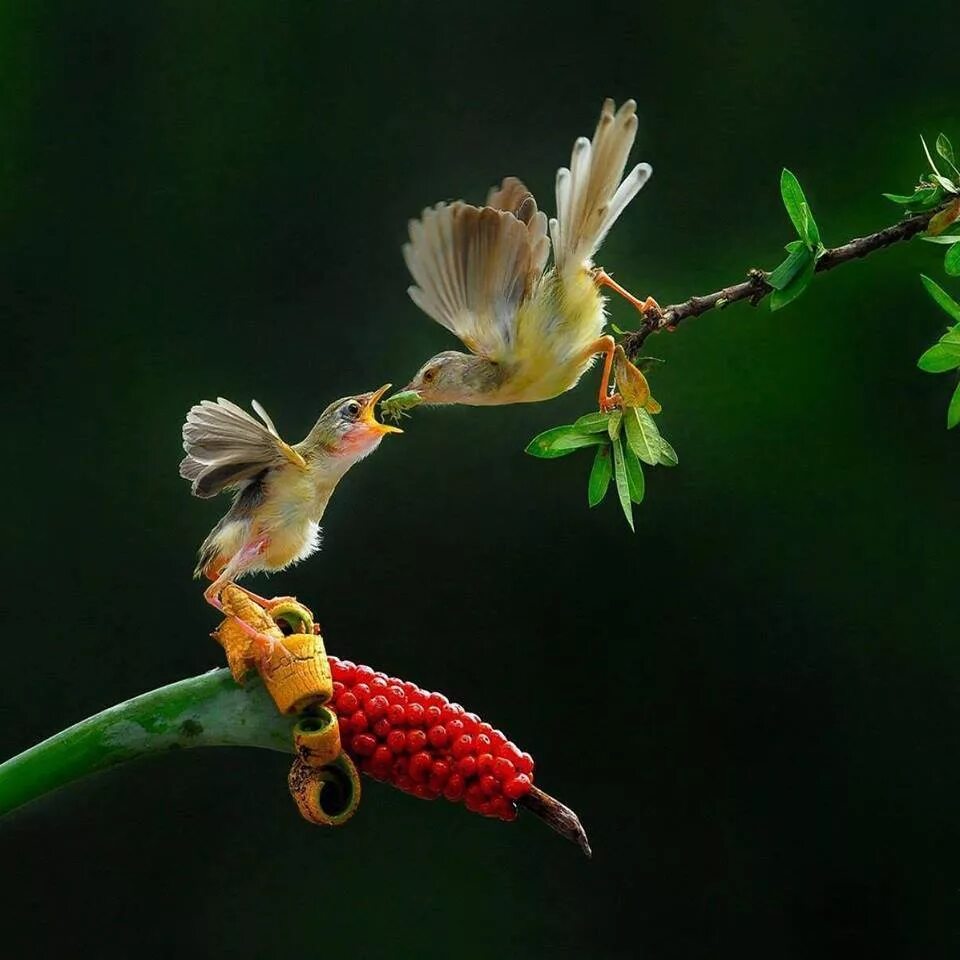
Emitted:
pixel 317 738
pixel 327 796
pixel 295 670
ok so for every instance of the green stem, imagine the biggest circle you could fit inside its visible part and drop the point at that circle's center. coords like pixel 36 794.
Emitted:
pixel 206 711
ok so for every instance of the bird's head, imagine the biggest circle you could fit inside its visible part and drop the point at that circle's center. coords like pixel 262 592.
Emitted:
pixel 349 428
pixel 452 377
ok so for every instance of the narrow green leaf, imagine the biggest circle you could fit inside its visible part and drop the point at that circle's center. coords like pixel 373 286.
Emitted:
pixel 643 435
pixel 900 198
pixel 812 232
pixel 940 357
pixel 926 150
pixel 945 238
pixel 592 423
pixel 945 182
pixel 781 276
pixel 794 201
pixel 951 262
pixel 941 297
pixel 668 456
pixel 559 442
pixel 623 485
pixel 635 479
pixel 925 199
pixel 613 426
pixel 617 330
pixel 953 411
pixel 780 298
pixel 600 474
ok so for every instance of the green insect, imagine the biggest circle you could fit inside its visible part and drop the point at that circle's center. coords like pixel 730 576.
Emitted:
pixel 396 407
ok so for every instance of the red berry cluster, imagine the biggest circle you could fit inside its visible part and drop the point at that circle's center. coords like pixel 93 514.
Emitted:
pixel 425 745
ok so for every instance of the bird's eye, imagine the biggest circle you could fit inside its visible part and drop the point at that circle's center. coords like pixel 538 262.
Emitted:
pixel 352 409
pixel 429 375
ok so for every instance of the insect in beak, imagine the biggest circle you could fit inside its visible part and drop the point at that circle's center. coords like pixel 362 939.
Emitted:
pixel 369 414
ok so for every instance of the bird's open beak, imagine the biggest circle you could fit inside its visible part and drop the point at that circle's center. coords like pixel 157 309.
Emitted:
pixel 369 415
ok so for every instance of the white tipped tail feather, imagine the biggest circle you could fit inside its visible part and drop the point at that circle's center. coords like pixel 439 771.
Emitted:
pixel 593 192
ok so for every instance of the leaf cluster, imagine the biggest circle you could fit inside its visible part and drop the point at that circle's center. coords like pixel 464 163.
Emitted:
pixel 933 187
pixel 623 440
pixel 793 276
pixel 944 355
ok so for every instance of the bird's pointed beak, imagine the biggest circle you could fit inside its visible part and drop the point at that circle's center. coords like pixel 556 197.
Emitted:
pixel 369 415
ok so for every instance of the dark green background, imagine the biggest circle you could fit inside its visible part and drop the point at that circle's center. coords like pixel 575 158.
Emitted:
pixel 752 703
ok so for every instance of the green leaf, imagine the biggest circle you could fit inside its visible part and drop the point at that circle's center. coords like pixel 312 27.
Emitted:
pixel 623 485
pixel 951 262
pixel 941 297
pixel 635 479
pixel 940 357
pixel 953 411
pixel 926 150
pixel 947 238
pixel 812 234
pixel 668 456
pixel 600 474
pixel 613 426
pixel 643 435
pixel 780 298
pixel 560 441
pixel 794 201
pixel 901 198
pixel 781 276
pixel 618 331
pixel 925 199
pixel 592 423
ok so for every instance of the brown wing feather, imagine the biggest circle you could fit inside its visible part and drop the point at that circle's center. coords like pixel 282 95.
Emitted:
pixel 227 447
pixel 474 266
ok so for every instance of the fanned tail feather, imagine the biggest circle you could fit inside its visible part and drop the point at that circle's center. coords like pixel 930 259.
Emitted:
pixel 593 192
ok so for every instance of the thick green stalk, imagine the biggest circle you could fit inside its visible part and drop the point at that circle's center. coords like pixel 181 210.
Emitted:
pixel 206 711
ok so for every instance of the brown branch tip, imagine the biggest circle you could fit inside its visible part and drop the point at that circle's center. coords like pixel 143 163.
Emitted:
pixel 756 287
pixel 557 816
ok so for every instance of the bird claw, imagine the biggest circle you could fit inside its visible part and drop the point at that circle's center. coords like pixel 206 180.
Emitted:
pixel 613 402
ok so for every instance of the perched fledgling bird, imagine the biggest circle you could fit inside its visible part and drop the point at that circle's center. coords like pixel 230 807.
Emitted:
pixel 479 271
pixel 281 490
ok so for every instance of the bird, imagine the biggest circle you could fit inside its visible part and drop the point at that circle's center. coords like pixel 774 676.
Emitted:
pixel 280 490
pixel 480 272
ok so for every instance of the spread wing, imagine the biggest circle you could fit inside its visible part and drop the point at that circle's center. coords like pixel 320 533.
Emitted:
pixel 474 266
pixel 226 447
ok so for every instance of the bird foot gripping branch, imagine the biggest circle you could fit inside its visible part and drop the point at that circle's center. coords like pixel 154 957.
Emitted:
pixel 353 717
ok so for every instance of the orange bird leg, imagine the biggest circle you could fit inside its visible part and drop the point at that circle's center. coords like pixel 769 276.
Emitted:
pixel 603 279
pixel 238 565
pixel 605 345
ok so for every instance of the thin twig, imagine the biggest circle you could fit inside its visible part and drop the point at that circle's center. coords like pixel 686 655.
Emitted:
pixel 756 287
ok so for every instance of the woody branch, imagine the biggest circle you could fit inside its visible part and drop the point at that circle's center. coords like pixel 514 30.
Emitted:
pixel 755 288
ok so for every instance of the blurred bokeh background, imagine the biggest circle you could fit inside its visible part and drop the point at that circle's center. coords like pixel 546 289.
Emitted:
pixel 752 702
